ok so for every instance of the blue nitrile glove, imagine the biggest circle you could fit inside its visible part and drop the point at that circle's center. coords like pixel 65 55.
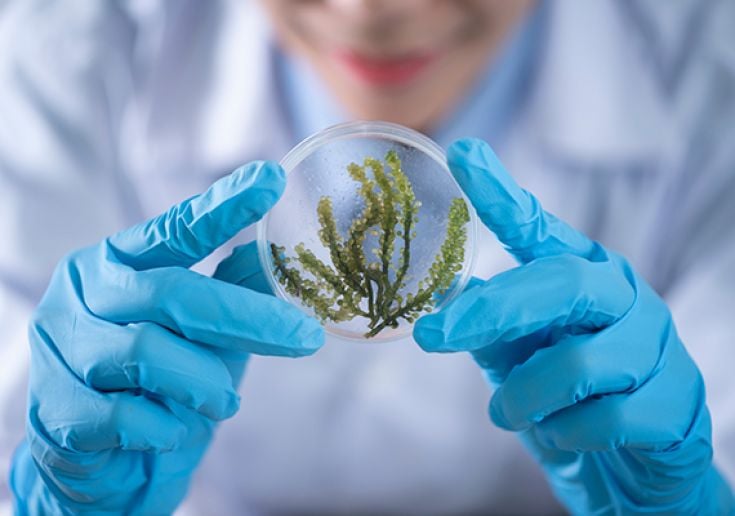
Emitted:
pixel 135 357
pixel 584 357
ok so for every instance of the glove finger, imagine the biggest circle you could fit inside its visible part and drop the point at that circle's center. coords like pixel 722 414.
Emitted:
pixel 563 294
pixel 664 411
pixel 570 371
pixel 71 415
pixel 148 357
pixel 473 282
pixel 619 358
pixel 243 268
pixel 498 360
pixel 439 297
pixel 122 420
pixel 191 230
pixel 513 214
pixel 199 308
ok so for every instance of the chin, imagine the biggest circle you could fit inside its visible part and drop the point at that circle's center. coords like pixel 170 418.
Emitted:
pixel 398 105
pixel 398 113
pixel 416 102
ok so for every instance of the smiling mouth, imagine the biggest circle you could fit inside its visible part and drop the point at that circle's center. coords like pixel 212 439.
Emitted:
pixel 385 71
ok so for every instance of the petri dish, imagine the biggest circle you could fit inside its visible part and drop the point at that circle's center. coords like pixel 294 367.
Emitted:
pixel 318 168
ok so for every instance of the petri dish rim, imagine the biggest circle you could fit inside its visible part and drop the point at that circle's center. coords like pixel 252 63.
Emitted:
pixel 368 129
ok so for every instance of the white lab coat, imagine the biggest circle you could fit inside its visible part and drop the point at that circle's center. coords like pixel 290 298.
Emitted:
pixel 112 111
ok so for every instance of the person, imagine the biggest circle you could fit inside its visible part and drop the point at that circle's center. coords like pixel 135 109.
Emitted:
pixel 615 115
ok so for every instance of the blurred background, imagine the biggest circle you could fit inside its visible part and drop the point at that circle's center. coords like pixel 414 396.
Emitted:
pixel 617 115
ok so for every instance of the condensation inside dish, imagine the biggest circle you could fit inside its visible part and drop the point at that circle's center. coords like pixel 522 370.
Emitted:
pixel 294 219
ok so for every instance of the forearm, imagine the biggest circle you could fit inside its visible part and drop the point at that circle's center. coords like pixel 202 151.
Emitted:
pixel 679 480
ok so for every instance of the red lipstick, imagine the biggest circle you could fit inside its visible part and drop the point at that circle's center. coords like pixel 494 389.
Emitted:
pixel 385 71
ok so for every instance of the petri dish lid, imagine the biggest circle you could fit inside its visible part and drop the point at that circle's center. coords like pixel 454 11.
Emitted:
pixel 317 169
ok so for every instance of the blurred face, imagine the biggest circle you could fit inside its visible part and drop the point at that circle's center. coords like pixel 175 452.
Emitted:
pixel 405 61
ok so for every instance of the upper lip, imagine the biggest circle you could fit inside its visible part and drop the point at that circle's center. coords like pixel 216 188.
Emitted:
pixel 385 69
pixel 387 58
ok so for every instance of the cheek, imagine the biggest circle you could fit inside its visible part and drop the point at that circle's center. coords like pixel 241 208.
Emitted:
pixel 292 20
pixel 476 21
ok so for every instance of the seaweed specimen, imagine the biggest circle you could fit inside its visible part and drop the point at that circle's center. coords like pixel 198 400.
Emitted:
pixel 370 284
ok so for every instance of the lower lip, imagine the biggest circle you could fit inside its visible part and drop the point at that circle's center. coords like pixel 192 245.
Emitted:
pixel 385 72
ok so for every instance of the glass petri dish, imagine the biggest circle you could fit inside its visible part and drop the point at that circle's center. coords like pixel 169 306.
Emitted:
pixel 317 168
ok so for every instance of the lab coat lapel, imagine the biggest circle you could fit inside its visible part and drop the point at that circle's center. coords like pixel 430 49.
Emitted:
pixel 185 130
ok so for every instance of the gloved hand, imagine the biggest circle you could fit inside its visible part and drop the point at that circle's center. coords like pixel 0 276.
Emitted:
pixel 584 357
pixel 135 358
